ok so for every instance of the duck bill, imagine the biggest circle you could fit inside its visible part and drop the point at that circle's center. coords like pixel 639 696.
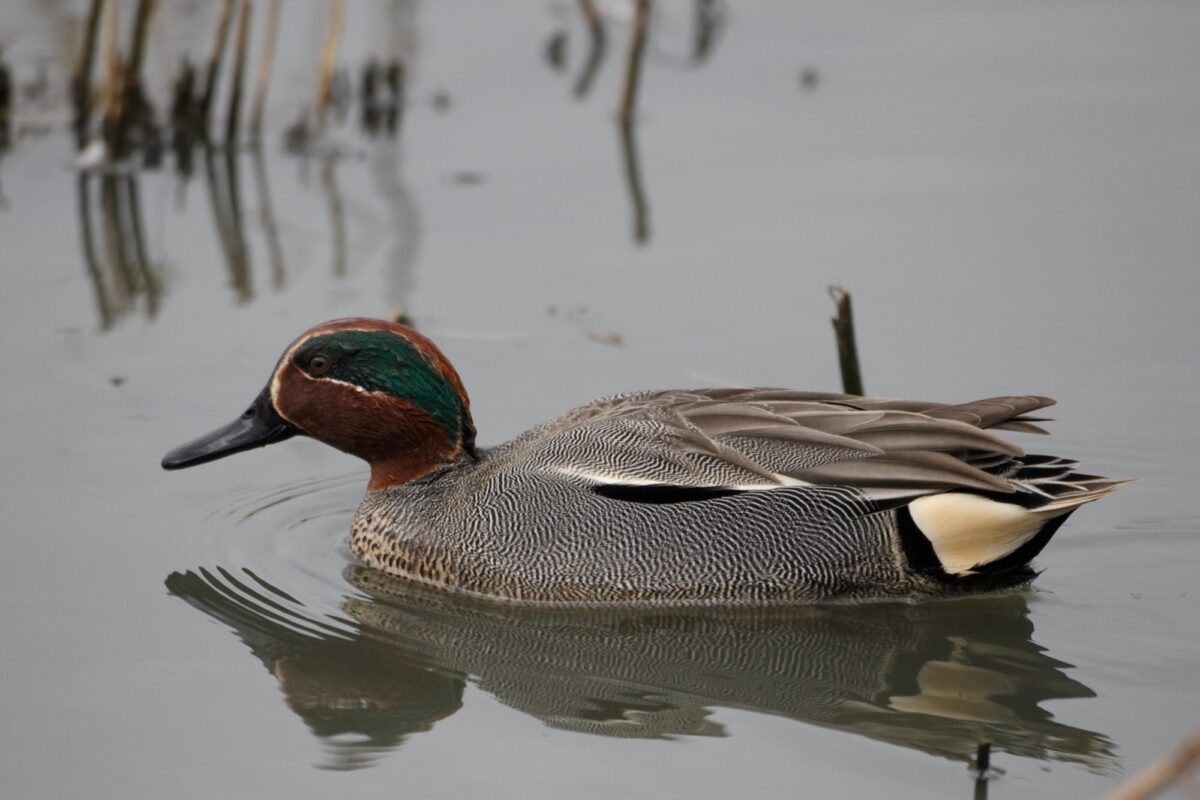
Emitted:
pixel 259 426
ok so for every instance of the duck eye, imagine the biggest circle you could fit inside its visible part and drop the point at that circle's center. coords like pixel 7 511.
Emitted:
pixel 319 364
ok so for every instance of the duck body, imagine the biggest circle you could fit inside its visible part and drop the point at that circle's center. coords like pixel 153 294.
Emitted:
pixel 686 497
pixel 575 546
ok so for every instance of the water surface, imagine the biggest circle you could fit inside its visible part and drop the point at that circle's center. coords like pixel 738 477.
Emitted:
pixel 1009 191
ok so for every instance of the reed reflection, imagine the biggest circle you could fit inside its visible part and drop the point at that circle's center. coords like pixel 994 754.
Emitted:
pixel 224 192
pixel 262 184
pixel 120 137
pixel 122 275
pixel 708 19
pixel 935 677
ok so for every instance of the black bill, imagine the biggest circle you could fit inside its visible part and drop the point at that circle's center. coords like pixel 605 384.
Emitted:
pixel 259 426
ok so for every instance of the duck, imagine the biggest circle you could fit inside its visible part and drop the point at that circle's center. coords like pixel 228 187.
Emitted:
pixel 690 497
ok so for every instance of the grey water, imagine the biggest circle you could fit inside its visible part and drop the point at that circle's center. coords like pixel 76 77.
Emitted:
pixel 1011 192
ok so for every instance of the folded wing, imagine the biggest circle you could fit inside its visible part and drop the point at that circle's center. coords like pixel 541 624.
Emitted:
pixel 756 439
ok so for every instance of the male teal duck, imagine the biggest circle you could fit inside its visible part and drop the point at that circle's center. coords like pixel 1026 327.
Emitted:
pixel 677 497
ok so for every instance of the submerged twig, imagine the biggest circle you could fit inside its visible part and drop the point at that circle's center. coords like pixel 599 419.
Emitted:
pixel 843 328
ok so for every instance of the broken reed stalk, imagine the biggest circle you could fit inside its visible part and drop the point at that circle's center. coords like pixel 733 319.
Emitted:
pixel 266 62
pixel 633 66
pixel 233 117
pixel 843 329
pixel 81 77
pixel 337 9
pixel 220 34
pixel 1161 773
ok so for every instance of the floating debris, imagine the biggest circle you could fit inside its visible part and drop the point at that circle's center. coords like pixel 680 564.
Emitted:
pixel 467 178
pixel 610 338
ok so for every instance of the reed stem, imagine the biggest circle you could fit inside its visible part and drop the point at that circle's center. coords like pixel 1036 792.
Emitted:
pixel 1160 774
pixel 81 77
pixel 337 9
pixel 633 64
pixel 220 35
pixel 234 115
pixel 265 64
pixel 843 329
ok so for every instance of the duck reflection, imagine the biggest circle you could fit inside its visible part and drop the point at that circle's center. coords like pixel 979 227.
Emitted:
pixel 708 20
pixel 362 694
pixel 937 677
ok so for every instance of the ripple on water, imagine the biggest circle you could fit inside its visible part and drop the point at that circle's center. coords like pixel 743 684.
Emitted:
pixel 285 542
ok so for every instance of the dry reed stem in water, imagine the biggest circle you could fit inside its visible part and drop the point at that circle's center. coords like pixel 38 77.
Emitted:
pixel 1160 774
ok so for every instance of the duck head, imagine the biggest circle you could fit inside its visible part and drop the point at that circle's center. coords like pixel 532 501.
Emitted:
pixel 374 389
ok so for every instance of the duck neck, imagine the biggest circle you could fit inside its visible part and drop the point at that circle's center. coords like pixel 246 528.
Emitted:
pixel 400 470
pixel 398 460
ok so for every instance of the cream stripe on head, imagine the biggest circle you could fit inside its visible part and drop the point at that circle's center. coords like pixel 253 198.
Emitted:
pixel 286 358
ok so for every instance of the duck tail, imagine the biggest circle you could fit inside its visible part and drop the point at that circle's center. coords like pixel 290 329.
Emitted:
pixel 994 534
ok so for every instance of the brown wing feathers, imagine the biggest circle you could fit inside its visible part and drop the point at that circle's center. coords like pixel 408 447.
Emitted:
pixel 866 442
